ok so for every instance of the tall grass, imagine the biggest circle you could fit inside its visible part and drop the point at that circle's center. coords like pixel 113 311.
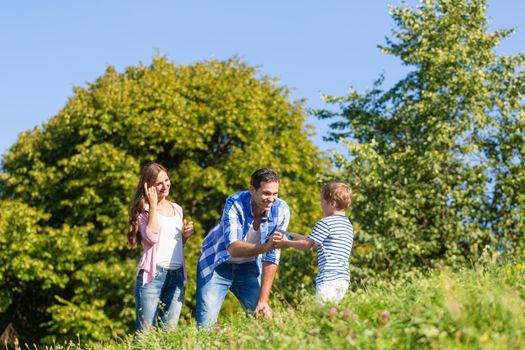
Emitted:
pixel 481 308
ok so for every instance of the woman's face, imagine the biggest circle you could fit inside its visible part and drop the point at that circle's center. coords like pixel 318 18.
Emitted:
pixel 162 184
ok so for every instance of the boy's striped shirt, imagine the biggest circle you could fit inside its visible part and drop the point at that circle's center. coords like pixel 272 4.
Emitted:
pixel 334 236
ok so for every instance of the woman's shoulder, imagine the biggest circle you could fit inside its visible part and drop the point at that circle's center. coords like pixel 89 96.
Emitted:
pixel 178 208
pixel 143 215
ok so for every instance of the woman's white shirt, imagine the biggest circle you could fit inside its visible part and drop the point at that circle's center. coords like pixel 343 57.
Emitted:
pixel 169 248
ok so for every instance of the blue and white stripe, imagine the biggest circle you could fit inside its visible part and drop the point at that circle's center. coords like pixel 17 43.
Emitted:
pixel 334 236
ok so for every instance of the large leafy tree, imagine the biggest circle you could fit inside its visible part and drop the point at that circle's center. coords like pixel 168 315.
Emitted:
pixel 66 186
pixel 437 159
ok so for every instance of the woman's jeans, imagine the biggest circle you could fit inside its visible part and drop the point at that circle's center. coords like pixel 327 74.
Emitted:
pixel 242 279
pixel 158 303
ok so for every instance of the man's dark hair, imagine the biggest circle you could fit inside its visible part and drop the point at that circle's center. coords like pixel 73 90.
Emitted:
pixel 263 175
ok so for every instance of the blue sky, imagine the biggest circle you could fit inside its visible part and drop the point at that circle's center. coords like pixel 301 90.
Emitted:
pixel 314 47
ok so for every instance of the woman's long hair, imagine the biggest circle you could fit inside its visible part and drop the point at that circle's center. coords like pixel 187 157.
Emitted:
pixel 148 175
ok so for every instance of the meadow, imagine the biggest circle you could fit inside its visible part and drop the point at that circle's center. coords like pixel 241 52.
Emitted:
pixel 476 308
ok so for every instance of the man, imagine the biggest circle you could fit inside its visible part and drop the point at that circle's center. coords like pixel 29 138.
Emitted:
pixel 239 253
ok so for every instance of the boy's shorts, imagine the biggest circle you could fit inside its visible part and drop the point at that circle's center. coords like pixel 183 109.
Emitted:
pixel 332 291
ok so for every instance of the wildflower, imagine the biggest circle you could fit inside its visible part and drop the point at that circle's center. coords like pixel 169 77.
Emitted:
pixel 519 266
pixel 221 330
pixel 354 318
pixel 351 338
pixel 346 313
pixel 368 333
pixel 332 312
pixel 458 334
pixel 385 315
pixel 455 306
pixel 430 332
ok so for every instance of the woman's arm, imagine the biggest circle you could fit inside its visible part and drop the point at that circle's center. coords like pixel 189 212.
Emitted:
pixel 148 235
pixel 187 226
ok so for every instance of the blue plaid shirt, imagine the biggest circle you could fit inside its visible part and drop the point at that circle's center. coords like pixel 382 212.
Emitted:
pixel 235 223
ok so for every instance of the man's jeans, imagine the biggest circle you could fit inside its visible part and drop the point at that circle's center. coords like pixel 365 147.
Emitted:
pixel 242 279
pixel 159 302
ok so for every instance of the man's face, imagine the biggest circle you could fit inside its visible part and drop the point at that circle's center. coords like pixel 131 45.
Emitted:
pixel 264 197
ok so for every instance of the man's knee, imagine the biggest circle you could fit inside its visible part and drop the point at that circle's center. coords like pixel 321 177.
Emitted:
pixel 209 303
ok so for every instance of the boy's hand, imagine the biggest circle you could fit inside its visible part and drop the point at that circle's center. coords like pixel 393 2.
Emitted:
pixel 272 241
pixel 282 243
pixel 276 237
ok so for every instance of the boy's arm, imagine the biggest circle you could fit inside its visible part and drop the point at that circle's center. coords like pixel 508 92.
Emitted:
pixel 297 241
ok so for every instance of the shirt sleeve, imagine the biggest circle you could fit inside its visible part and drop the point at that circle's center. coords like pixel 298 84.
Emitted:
pixel 320 232
pixel 231 223
pixel 274 255
pixel 148 235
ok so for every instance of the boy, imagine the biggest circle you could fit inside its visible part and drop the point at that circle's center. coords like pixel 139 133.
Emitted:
pixel 332 236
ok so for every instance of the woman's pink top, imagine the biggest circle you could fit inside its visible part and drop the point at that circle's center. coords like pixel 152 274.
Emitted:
pixel 150 239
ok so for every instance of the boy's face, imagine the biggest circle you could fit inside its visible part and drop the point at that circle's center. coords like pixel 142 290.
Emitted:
pixel 264 197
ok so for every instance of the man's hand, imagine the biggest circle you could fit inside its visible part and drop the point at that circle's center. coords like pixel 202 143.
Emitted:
pixel 272 241
pixel 264 310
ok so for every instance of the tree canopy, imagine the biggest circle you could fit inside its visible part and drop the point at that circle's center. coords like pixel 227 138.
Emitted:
pixel 65 187
pixel 437 159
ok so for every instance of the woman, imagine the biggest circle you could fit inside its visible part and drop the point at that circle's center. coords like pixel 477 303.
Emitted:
pixel 158 224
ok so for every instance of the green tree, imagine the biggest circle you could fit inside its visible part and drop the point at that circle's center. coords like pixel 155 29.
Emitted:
pixel 437 160
pixel 67 185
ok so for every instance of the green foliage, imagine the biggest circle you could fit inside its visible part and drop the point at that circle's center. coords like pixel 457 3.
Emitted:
pixel 36 262
pixel 479 308
pixel 436 161
pixel 66 186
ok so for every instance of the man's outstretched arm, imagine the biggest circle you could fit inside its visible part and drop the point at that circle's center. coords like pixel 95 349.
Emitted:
pixel 240 249
pixel 268 274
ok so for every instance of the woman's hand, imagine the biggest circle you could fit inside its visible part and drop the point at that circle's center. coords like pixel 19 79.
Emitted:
pixel 151 195
pixel 187 230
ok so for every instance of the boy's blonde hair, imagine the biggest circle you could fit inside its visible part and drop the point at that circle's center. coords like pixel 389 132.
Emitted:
pixel 337 192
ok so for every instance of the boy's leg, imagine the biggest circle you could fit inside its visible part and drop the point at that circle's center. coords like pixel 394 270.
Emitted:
pixel 147 301
pixel 172 298
pixel 332 291
pixel 246 285
pixel 210 296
